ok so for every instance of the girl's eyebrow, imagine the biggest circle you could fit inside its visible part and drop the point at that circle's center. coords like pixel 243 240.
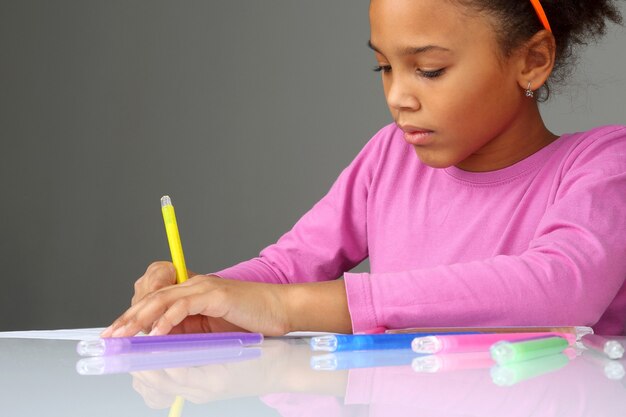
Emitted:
pixel 412 50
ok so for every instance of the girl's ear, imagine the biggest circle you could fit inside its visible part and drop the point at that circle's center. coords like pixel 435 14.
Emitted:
pixel 536 60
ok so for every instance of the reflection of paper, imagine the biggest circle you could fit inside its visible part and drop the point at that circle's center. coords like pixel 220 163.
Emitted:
pixel 62 334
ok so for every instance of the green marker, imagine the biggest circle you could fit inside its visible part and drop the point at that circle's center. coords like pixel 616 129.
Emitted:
pixel 509 352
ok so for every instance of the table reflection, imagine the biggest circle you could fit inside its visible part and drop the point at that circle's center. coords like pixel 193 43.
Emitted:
pixel 282 367
pixel 114 364
pixel 294 381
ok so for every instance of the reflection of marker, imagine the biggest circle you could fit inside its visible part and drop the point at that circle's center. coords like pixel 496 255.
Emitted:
pixel 452 362
pixel 508 352
pixel 613 369
pixel 102 365
pixel 604 345
pixel 512 373
pixel 362 359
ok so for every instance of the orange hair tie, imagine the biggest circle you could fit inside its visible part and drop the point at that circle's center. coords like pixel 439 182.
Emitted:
pixel 542 15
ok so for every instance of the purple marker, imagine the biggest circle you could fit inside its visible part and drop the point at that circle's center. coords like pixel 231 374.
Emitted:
pixel 144 344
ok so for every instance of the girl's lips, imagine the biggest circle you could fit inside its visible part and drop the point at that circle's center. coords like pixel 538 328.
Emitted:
pixel 418 137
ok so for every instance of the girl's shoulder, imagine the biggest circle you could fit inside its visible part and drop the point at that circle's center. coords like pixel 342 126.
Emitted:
pixel 602 146
pixel 600 134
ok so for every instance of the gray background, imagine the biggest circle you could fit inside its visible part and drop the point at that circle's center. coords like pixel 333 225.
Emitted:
pixel 243 111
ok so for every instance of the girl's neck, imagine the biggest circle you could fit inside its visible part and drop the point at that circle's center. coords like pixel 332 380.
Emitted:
pixel 526 135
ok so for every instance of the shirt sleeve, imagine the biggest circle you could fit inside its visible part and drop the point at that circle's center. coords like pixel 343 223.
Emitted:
pixel 328 240
pixel 571 272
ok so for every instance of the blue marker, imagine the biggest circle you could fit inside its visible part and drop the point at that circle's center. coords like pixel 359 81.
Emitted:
pixel 339 342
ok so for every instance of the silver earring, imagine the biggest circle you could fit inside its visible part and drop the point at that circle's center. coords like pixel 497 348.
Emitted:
pixel 529 93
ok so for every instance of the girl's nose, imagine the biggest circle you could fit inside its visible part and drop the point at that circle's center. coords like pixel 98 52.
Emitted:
pixel 400 96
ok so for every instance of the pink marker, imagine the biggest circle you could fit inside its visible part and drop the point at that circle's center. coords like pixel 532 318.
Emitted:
pixel 474 342
pixel 375 330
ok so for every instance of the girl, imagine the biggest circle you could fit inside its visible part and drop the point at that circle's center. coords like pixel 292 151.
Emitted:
pixel 471 211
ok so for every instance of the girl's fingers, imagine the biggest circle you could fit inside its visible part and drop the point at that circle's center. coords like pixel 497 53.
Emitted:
pixel 146 312
pixel 201 298
pixel 158 275
pixel 198 303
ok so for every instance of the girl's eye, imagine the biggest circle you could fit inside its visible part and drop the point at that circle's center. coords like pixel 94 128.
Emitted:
pixel 382 68
pixel 431 74
pixel 425 74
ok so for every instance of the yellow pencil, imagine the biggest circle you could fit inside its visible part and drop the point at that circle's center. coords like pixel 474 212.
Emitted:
pixel 178 259
pixel 173 238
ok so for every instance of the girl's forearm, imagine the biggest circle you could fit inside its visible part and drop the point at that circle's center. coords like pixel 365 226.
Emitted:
pixel 318 306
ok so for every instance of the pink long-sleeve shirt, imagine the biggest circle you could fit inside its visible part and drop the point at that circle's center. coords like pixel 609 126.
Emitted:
pixel 541 242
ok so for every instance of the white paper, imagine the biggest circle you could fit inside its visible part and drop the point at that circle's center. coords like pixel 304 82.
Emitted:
pixel 307 334
pixel 61 334
pixel 94 333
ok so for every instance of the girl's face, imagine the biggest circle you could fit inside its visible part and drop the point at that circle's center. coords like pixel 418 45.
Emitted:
pixel 447 86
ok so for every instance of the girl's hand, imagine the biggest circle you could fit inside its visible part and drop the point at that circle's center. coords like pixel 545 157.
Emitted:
pixel 158 275
pixel 202 304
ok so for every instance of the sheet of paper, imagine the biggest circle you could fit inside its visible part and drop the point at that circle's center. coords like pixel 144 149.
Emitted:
pixel 306 334
pixel 61 334
pixel 94 333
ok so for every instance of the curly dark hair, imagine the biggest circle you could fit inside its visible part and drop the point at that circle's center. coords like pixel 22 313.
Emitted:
pixel 573 22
